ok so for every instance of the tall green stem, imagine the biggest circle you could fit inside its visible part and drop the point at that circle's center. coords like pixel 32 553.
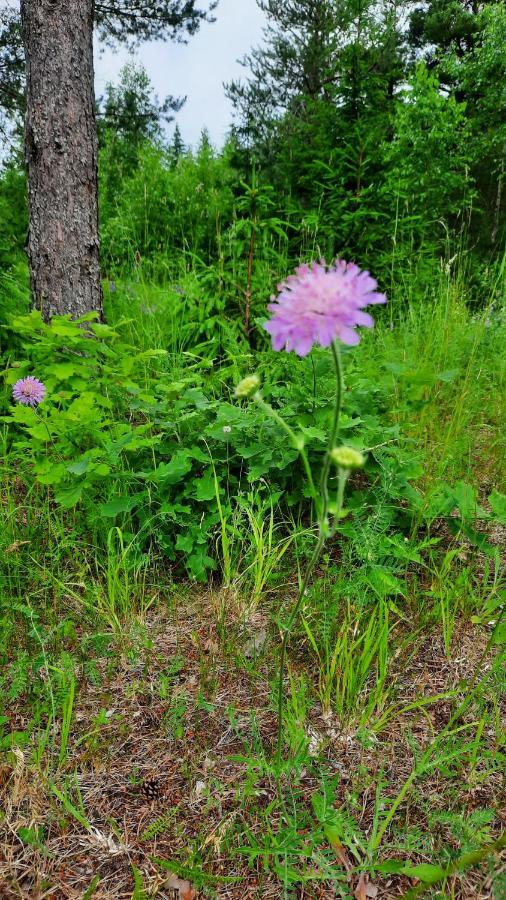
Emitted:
pixel 323 533
pixel 324 482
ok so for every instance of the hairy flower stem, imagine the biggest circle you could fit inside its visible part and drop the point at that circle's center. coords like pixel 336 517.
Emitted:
pixel 44 423
pixel 324 532
pixel 324 482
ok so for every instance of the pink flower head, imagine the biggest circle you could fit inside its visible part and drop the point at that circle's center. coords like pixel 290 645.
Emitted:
pixel 29 391
pixel 321 304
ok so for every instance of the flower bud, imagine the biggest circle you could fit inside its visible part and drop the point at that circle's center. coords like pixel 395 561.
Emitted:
pixel 347 458
pixel 247 386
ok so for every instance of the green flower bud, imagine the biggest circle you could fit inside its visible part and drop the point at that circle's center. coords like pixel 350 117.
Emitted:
pixel 347 458
pixel 247 386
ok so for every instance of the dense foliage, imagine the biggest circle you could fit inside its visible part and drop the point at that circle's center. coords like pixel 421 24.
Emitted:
pixel 347 141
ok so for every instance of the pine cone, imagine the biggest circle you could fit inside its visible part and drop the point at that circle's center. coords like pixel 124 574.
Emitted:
pixel 151 788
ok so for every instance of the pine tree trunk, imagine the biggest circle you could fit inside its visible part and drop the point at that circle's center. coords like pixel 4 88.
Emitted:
pixel 61 156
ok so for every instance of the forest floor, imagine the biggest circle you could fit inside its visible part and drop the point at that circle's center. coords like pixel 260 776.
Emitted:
pixel 165 788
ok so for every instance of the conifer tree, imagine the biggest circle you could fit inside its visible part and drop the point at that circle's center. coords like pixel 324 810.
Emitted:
pixel 438 25
pixel 177 147
pixel 341 57
pixel 131 110
pixel 130 115
pixel 317 101
pixel 296 63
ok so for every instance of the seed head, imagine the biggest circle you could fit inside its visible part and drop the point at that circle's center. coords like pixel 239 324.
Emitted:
pixel 247 386
pixel 347 458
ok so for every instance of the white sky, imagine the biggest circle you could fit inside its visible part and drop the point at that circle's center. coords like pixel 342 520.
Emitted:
pixel 197 69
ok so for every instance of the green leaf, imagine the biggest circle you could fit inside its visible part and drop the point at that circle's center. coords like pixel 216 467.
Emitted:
pixel 476 538
pixel 152 354
pixel 32 836
pixel 205 489
pixel 24 415
pixel 172 389
pixel 384 583
pixel 88 894
pixel 102 330
pixel 498 503
pixel 175 511
pixel 175 470
pixel 100 469
pixel 193 395
pixel 64 370
pixel 250 450
pixel 33 322
pixel 40 433
pixel 79 467
pixel 449 375
pixel 197 454
pixel 198 565
pixel 333 835
pixel 81 409
pixel 465 498
pixel 499 634
pixel 70 496
pixel 63 327
pixel 51 473
pixel 184 543
pixel 69 806
pixel 139 892
pixel 116 507
pixel 391 867
pixel 88 317
pixel 315 434
pixel 425 872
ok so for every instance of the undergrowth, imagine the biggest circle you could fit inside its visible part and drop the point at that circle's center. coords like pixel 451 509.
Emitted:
pixel 153 535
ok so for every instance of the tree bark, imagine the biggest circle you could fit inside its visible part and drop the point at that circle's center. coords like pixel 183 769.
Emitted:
pixel 61 157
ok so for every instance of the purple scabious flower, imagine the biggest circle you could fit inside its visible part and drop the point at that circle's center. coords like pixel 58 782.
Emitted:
pixel 29 391
pixel 321 304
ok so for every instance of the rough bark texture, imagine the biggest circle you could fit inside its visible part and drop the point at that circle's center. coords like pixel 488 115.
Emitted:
pixel 61 156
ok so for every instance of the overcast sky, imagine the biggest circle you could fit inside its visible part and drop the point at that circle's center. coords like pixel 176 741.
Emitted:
pixel 197 69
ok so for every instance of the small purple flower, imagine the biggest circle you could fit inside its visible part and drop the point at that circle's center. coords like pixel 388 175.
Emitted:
pixel 321 304
pixel 29 391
